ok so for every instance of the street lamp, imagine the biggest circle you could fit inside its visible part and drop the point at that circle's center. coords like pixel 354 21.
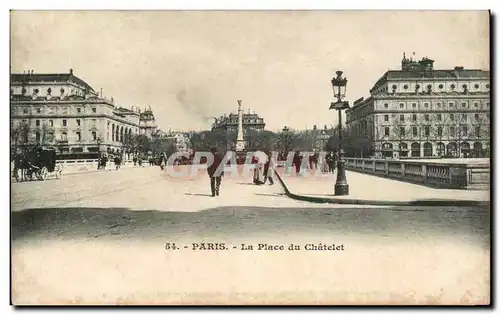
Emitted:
pixel 339 89
pixel 99 146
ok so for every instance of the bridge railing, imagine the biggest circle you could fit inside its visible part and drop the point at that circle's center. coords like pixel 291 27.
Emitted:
pixel 461 175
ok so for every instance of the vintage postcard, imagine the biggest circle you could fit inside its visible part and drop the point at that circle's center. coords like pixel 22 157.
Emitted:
pixel 250 157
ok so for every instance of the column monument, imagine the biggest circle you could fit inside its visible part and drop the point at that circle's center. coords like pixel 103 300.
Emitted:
pixel 240 142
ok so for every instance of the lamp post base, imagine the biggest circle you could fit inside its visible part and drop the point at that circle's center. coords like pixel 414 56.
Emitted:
pixel 341 189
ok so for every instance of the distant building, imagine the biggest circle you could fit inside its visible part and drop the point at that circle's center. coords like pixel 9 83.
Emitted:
pixel 147 123
pixel 62 110
pixel 314 139
pixel 228 124
pixel 421 112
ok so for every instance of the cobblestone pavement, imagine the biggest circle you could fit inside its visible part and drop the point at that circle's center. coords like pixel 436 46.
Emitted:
pixel 101 238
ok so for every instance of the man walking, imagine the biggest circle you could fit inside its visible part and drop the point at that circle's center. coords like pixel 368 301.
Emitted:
pixel 215 177
pixel 268 171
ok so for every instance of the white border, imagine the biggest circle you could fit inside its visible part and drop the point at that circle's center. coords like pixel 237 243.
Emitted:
pixel 192 5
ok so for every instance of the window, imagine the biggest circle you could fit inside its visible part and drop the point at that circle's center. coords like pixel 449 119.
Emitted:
pixel 464 105
pixel 386 105
pixel 451 104
pixel 478 131
pixel 78 122
pixel 476 104
pixel 65 122
pixel 426 117
pixel 463 131
pixel 427 131
pixel 464 117
pixel 78 110
pixel 401 105
pixel 401 131
pixel 487 86
pixel 386 131
pixel 452 86
pixel 401 117
pixel 405 86
pixel 37 136
pixel 440 86
pixel 440 131
pixel 426 105
pixel 386 117
pixel 439 105
pixel 25 110
pixel 64 136
pixel 94 110
pixel 476 86
pixel 487 104
pixel 414 131
pixel 452 117
pixel 37 123
pixel 452 131
pixel 414 105
pixel 51 123
pixel 94 135
pixel 414 117
pixel 78 136
pixel 38 110
pixel 476 117
pixel 439 117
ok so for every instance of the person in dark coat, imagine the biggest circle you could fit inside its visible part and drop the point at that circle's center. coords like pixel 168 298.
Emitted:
pixel 330 162
pixel 297 160
pixel 268 171
pixel 215 179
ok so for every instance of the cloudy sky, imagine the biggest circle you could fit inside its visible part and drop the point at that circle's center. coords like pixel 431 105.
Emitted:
pixel 193 65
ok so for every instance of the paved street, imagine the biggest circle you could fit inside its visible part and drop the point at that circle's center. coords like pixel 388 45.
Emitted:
pixel 100 238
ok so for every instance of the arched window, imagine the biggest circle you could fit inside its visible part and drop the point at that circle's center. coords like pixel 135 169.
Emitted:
pixel 465 149
pixel 427 149
pixel 478 149
pixel 415 149
pixel 451 149
pixel 440 148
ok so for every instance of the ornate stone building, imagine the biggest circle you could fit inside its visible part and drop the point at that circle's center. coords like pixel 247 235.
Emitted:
pixel 421 112
pixel 62 110
pixel 253 125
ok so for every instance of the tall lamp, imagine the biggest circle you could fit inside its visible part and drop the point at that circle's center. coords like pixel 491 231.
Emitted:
pixel 339 91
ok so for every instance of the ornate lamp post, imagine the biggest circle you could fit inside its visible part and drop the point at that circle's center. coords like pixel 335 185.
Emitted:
pixel 339 89
pixel 99 146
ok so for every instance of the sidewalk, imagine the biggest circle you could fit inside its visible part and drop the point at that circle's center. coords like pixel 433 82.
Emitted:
pixel 374 190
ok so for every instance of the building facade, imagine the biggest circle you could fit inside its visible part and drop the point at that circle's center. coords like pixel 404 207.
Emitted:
pixel 253 125
pixel 62 110
pixel 422 112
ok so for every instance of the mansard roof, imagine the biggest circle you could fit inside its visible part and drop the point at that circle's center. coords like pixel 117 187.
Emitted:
pixel 49 77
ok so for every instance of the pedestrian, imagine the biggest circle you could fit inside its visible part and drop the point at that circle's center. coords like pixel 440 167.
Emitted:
pixel 329 161
pixel 215 177
pixel 134 159
pixel 256 170
pixel 268 169
pixel 162 161
pixel 297 161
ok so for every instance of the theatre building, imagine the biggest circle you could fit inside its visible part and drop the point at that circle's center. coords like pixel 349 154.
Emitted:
pixel 64 111
pixel 419 111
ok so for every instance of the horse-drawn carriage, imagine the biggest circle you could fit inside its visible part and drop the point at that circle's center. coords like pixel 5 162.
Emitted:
pixel 39 162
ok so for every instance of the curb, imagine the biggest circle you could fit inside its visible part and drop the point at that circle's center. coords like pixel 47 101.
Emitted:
pixel 426 203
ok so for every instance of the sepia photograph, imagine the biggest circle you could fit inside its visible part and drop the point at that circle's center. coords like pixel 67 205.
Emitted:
pixel 250 157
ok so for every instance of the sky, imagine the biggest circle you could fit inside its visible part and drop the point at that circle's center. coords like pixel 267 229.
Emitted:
pixel 190 66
